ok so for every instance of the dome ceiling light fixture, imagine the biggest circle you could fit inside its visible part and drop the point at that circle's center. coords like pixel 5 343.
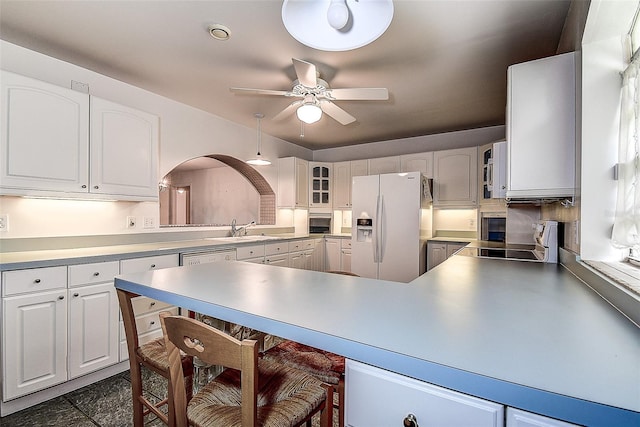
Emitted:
pixel 310 111
pixel 336 25
pixel 258 160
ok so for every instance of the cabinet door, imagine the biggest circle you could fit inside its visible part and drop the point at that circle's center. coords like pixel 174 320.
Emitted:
pixel 384 165
pixel 359 168
pixel 455 177
pixel 332 255
pixel 452 248
pixel 293 183
pixel 281 260
pixel 342 185
pixel 93 328
pixel 436 254
pixel 45 136
pixel 320 185
pixel 345 260
pixel 124 150
pixel 34 335
pixel 541 123
pixel 420 162
pixel 375 397
pixel 518 418
pixel 297 260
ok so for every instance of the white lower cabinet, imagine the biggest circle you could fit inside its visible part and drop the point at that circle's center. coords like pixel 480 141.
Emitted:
pixel 93 328
pixel 276 254
pixel 519 418
pixel 337 254
pixel 34 342
pixel 438 252
pixel 375 397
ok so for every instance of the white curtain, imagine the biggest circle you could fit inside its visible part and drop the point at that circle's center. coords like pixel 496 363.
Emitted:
pixel 626 227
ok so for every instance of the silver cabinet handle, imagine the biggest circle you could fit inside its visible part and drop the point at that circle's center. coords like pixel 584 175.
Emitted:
pixel 410 421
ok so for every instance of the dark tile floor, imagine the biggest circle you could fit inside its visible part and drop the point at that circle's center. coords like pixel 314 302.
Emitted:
pixel 105 404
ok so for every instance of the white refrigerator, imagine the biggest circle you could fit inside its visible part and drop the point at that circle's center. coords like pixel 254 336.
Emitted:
pixel 391 223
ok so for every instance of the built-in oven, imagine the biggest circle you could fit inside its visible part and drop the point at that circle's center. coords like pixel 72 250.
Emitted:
pixel 493 226
pixel 319 223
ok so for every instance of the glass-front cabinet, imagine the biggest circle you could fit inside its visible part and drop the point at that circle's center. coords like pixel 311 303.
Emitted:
pixel 320 191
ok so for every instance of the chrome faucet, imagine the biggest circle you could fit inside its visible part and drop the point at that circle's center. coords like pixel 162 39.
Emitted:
pixel 237 231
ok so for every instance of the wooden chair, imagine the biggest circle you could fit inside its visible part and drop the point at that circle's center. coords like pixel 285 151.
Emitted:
pixel 153 356
pixel 327 367
pixel 250 392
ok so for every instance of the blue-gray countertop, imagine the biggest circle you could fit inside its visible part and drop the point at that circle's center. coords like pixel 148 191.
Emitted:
pixel 527 335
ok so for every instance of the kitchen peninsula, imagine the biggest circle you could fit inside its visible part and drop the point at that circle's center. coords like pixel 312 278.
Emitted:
pixel 525 335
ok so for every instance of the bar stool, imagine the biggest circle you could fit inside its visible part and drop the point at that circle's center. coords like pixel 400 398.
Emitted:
pixel 152 356
pixel 326 366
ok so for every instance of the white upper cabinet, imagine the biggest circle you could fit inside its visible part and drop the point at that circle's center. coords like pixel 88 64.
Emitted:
pixel 384 165
pixel 455 182
pixel 541 123
pixel 55 144
pixel 45 137
pixel 419 162
pixel 293 183
pixel 343 172
pixel 124 150
pixel 320 185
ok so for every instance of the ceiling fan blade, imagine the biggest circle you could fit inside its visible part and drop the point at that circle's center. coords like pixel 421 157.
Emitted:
pixel 249 91
pixel 287 111
pixel 360 93
pixel 337 113
pixel 306 72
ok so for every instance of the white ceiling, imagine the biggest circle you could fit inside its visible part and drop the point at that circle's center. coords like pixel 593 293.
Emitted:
pixel 444 62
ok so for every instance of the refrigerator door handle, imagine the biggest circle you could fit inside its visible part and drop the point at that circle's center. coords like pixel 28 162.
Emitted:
pixel 381 230
pixel 376 234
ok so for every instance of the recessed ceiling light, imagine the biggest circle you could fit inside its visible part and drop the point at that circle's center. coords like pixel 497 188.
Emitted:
pixel 219 32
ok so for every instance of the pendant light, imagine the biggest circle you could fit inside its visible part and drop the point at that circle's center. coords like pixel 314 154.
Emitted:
pixel 258 160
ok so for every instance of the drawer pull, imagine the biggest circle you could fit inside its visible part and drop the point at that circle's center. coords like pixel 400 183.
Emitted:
pixel 96 274
pixel 153 266
pixel 36 281
pixel 410 421
pixel 61 297
pixel 152 304
pixel 153 322
pixel 76 294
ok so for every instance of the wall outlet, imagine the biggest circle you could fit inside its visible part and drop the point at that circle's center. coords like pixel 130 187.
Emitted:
pixel 4 222
pixel 131 222
pixel 149 222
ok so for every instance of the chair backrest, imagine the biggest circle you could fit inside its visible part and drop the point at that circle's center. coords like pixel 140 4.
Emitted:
pixel 129 320
pixel 212 347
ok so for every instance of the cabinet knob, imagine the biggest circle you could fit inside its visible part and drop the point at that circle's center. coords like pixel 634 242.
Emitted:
pixel 152 304
pixel 36 281
pixel 410 421
pixel 76 294
pixel 152 323
pixel 153 266
pixel 97 273
pixel 61 297
pixel 84 186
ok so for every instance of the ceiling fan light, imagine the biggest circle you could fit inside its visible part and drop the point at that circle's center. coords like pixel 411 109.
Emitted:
pixel 338 14
pixel 309 113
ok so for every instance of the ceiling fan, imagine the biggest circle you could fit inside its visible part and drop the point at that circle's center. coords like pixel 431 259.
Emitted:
pixel 316 96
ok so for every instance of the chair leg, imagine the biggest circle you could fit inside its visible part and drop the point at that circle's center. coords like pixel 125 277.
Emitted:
pixel 340 391
pixel 326 415
pixel 136 392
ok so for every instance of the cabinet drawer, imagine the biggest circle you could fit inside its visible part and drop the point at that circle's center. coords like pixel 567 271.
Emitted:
pixel 147 322
pixel 33 280
pixel 136 265
pixel 142 339
pixel 301 245
pixel 378 397
pixel 345 243
pixel 276 248
pixel 88 274
pixel 245 252
pixel 142 305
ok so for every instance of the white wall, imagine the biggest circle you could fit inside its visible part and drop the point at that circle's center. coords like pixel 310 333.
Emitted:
pixel 602 61
pixel 418 144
